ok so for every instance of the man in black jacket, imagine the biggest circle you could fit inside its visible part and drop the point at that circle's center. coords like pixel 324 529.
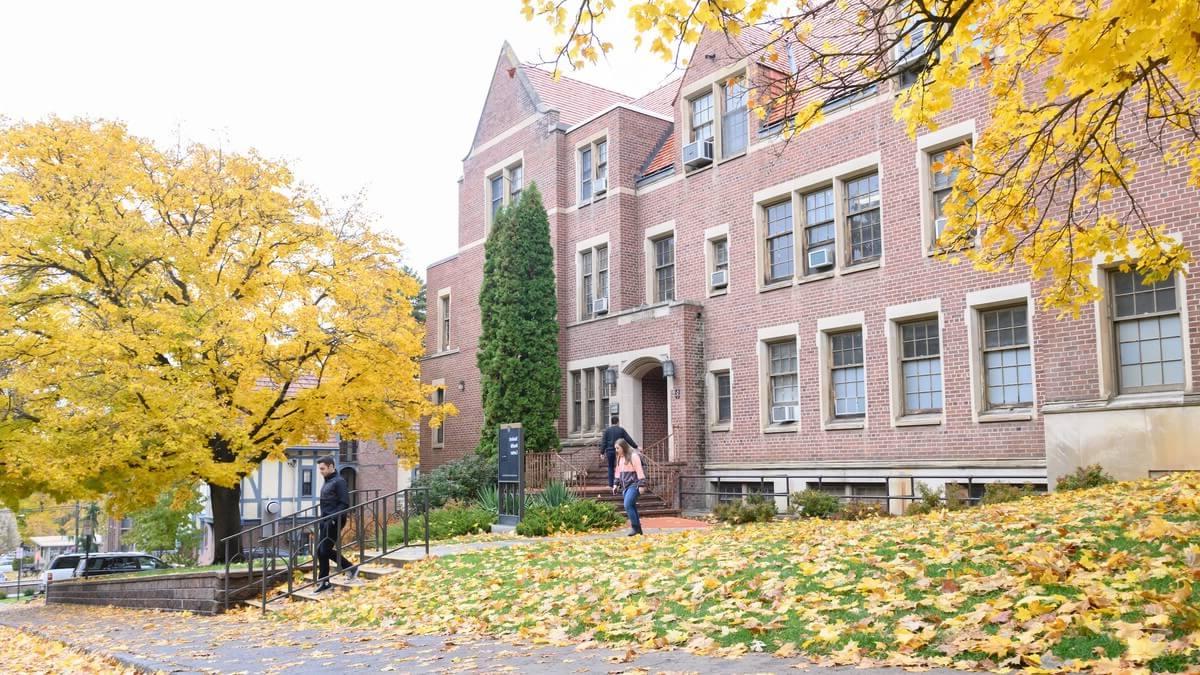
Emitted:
pixel 335 498
pixel 608 447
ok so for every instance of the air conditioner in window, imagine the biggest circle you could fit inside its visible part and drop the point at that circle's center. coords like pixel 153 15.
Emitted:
pixel 939 226
pixel 599 186
pixel 820 258
pixel 720 279
pixel 698 153
pixel 781 414
pixel 600 306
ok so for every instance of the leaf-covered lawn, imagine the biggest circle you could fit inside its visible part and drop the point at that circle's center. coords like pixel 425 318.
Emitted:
pixel 21 652
pixel 1100 579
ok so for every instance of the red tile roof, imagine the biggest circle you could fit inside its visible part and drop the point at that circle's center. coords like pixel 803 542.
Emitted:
pixel 661 100
pixel 665 156
pixel 574 100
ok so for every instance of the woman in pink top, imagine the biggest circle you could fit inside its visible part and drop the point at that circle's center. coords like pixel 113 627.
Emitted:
pixel 631 476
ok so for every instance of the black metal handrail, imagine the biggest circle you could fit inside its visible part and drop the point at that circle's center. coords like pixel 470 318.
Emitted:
pixel 296 545
pixel 764 479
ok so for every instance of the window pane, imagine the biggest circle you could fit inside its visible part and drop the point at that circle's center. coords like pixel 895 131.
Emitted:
pixel 585 174
pixel 720 254
pixel 702 117
pixel 724 398
pixel 862 208
pixel 497 194
pixel 734 119
pixel 1131 296
pixel 516 180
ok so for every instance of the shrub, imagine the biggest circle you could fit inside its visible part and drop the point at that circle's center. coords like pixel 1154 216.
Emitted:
pixel 460 480
pixel 579 515
pixel 751 509
pixel 452 520
pixel 1084 477
pixel 814 504
pixel 556 494
pixel 3 595
pixel 998 493
pixel 861 510
pixel 949 497
pixel 29 592
pixel 489 498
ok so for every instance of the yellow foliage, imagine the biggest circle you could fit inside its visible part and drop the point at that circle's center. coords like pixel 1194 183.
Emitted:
pixel 1068 84
pixel 184 314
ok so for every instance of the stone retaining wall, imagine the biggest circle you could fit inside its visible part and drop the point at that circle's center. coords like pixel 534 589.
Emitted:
pixel 200 592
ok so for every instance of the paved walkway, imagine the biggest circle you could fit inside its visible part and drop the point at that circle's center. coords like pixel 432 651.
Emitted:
pixel 249 643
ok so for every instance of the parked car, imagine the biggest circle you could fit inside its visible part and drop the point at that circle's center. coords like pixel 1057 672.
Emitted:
pixel 62 567
pixel 99 564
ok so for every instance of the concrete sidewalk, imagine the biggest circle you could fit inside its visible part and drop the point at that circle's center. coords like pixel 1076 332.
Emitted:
pixel 248 643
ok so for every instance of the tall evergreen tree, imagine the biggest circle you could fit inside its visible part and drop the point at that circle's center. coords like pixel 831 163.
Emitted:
pixel 518 347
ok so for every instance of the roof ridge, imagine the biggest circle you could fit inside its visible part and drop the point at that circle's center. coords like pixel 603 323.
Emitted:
pixel 579 81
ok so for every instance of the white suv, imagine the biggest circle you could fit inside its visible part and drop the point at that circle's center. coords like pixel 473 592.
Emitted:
pixel 63 567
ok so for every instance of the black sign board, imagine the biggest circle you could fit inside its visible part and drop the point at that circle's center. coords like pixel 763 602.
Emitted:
pixel 511 479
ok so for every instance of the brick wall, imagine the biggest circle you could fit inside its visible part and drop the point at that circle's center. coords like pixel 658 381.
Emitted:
pixel 700 328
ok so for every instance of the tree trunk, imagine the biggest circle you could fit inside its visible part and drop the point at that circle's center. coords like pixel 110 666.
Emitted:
pixel 227 519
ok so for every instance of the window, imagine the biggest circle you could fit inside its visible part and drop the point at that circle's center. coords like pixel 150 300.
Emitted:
pixel 1148 330
pixel 444 316
pixel 585 174
pixel 780 263
pixel 910 48
pixel 593 170
pixel 576 401
pixel 504 187
pixel 819 231
pixel 728 491
pixel 588 281
pixel 921 366
pixel 784 374
pixel 439 433
pixel 940 183
pixel 718 279
pixel 347 451
pixel 862 213
pixel 306 483
pixel 848 374
pixel 1007 365
pixel 702 117
pixel 497 184
pixel 720 255
pixel 602 161
pixel 734 120
pixel 724 398
pixel 664 269
pixel 516 182
pixel 590 399
pixel 593 279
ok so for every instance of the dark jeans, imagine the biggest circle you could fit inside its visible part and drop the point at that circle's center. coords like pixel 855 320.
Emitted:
pixel 611 456
pixel 327 548
pixel 631 496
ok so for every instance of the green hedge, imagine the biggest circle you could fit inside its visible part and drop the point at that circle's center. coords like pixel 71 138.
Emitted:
pixel 445 523
pixel 580 515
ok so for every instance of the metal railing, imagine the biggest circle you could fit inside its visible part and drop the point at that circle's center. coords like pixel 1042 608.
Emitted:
pixel 569 467
pixel 283 551
pixel 662 476
pixel 967 483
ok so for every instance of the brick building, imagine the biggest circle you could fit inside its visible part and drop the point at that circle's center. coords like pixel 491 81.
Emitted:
pixel 770 308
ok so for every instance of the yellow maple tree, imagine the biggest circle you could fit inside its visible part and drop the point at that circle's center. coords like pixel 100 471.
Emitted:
pixel 1076 89
pixel 182 314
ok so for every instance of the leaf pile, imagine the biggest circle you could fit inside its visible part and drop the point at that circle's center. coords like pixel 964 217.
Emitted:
pixel 1098 580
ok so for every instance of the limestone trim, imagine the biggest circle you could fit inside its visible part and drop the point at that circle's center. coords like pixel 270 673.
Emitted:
pixel 897 315
pixel 826 328
pixel 976 303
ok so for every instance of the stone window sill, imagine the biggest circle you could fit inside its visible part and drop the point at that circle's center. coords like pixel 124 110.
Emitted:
pixel 781 429
pixel 444 352
pixel 717 292
pixel 720 427
pixel 863 267
pixel 844 425
pixel 918 420
pixel 815 277
pixel 775 285
pixel 1007 416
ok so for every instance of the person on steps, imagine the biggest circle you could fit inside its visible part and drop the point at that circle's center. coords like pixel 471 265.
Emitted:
pixel 335 499
pixel 632 478
pixel 608 446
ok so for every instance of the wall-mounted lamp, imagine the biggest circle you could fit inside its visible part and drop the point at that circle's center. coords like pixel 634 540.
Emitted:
pixel 668 368
pixel 462 385
pixel 610 376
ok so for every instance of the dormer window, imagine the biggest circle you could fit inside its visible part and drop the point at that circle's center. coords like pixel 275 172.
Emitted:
pixel 718 123
pixel 593 170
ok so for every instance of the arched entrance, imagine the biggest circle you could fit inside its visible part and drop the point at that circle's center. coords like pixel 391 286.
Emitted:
pixel 645 406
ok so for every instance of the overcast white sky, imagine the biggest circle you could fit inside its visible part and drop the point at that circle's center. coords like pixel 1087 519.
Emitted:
pixel 355 95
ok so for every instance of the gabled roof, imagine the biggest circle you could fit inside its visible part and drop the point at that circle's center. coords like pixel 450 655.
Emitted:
pixel 574 100
pixel 661 100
